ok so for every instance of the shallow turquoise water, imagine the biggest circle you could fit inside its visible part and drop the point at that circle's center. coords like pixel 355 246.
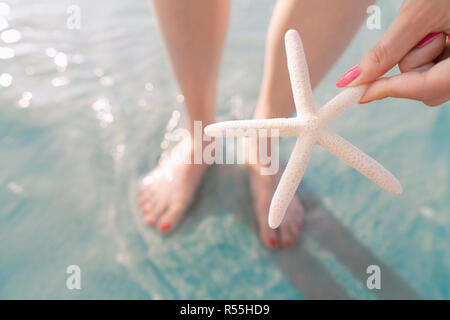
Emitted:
pixel 72 156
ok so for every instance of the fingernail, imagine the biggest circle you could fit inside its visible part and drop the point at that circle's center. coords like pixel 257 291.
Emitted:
pixel 288 244
pixel 164 226
pixel 348 77
pixel 273 243
pixel 364 102
pixel 150 222
pixel 428 38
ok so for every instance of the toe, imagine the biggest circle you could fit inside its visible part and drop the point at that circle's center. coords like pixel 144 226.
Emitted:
pixel 295 215
pixel 268 235
pixel 294 228
pixel 148 205
pixel 171 217
pixel 269 238
pixel 155 212
pixel 291 225
pixel 145 195
pixel 286 235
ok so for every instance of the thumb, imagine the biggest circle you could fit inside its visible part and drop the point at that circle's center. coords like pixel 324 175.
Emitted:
pixel 398 40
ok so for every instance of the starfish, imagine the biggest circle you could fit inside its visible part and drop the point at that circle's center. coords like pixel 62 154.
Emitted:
pixel 310 128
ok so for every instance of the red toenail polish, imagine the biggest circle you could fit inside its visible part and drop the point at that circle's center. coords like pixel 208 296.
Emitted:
pixel 150 222
pixel 164 226
pixel 288 244
pixel 273 243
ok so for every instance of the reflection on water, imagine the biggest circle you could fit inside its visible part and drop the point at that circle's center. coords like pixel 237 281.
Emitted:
pixel 84 114
pixel 5 79
pixel 10 36
pixel 6 53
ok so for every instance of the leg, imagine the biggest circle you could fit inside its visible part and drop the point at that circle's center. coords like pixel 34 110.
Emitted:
pixel 326 28
pixel 194 34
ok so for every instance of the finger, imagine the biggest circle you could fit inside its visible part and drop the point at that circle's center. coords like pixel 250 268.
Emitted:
pixel 423 54
pixel 446 53
pixel 430 85
pixel 424 67
pixel 437 102
pixel 389 51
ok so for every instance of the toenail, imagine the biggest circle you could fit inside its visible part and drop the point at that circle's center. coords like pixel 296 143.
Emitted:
pixel 164 226
pixel 273 243
pixel 150 222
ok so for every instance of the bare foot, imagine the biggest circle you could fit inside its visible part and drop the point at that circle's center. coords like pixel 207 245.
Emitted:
pixel 168 189
pixel 263 187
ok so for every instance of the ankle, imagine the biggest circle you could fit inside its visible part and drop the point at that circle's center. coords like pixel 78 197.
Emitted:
pixel 264 110
pixel 261 155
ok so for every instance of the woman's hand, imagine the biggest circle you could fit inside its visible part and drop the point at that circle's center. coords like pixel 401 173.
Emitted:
pixel 417 41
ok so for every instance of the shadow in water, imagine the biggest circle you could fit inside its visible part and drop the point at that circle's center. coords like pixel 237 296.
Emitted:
pixel 226 188
pixel 326 231
pixel 301 265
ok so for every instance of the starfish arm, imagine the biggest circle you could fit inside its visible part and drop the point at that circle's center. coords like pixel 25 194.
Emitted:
pixel 360 161
pixel 290 179
pixel 299 74
pixel 343 101
pixel 251 128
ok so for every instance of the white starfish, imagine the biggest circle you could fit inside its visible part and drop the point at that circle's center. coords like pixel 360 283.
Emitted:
pixel 310 127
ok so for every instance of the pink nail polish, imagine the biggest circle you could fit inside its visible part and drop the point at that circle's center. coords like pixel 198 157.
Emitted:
pixel 428 38
pixel 348 77
pixel 364 102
